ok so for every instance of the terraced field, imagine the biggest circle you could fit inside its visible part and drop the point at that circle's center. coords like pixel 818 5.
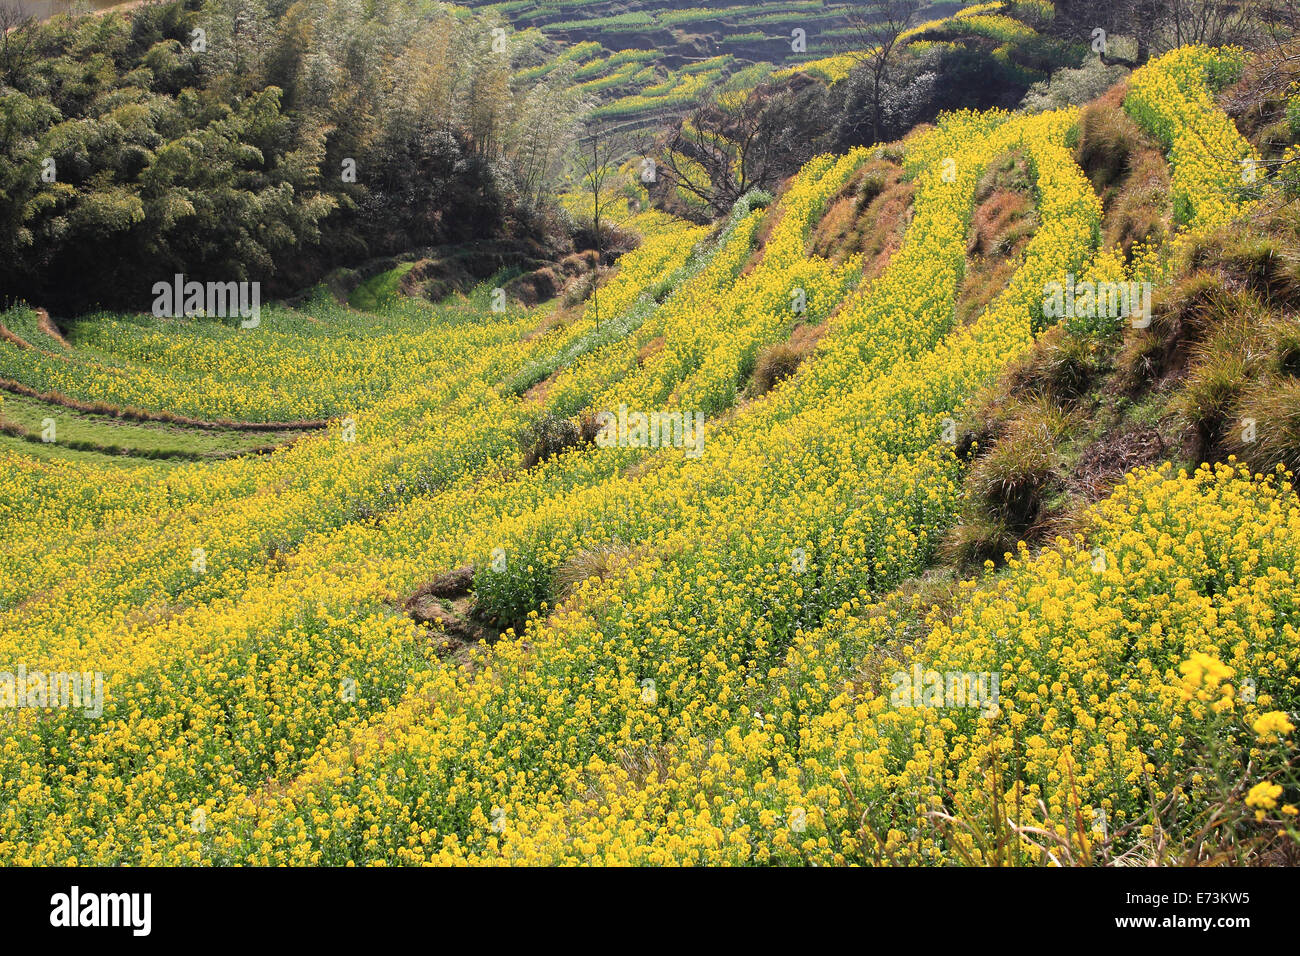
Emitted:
pixel 646 65
pixel 403 636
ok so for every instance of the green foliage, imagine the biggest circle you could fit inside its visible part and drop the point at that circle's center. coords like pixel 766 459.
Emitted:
pixel 372 294
pixel 1075 86
pixel 23 418
pixel 127 155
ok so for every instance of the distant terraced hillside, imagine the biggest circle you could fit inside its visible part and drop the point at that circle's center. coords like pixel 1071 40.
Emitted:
pixel 681 30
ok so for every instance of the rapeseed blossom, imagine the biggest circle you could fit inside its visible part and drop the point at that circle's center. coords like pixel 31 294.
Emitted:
pixel 719 694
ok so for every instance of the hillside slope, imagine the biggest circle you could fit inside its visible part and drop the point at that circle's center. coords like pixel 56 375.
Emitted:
pixel 707 538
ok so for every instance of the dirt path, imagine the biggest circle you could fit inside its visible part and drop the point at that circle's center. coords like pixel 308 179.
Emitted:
pixel 145 415
pixel 46 325
pixel 12 338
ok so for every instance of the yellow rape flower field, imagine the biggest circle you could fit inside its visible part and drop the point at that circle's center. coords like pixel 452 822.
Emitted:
pixel 691 632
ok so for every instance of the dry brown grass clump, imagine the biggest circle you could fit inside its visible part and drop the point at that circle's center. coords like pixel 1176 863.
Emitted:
pixel 867 217
pixel 1108 139
pixel 1013 474
pixel 775 364
pixel 1128 171
pixel 1266 430
pixel 1003 222
pixel 599 561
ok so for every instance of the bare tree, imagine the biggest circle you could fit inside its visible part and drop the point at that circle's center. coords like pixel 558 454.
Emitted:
pixel 597 159
pixel 17 33
pixel 1159 25
pixel 1079 19
pixel 1212 22
pixel 879 36
pixel 549 117
pixel 738 146
pixel 1264 99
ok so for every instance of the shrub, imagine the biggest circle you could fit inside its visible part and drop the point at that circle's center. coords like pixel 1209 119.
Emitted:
pixel 1267 429
pixel 1285 347
pixel 776 363
pixel 579 262
pixel 1076 86
pixel 1268 268
pixel 977 540
pixel 1010 482
pixel 874 181
pixel 1139 362
pixel 1059 367
pixel 1207 397
pixel 546 436
pixel 1188 312
pixel 1138 221
pixel 535 287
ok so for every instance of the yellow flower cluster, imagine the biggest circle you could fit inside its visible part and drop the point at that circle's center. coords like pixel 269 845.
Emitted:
pixel 156 613
pixel 1205 679
pixel 298 364
pixel 730 592
pixel 1263 797
pixel 981 19
pixel 1273 725
pixel 1214 166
